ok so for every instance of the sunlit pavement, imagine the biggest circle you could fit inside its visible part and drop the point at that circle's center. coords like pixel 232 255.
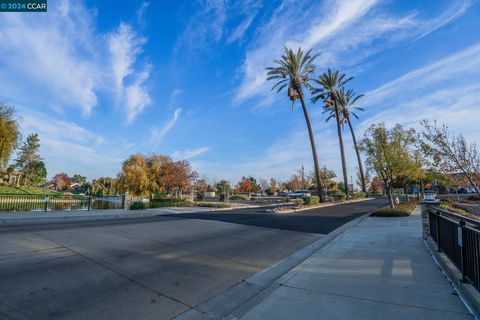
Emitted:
pixel 151 267
pixel 379 269
pixel 145 267
pixel 10 215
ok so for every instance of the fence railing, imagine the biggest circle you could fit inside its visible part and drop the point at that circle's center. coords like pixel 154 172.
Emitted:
pixel 459 238
pixel 29 202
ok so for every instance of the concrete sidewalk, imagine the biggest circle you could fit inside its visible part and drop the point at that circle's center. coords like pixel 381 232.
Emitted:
pixel 379 269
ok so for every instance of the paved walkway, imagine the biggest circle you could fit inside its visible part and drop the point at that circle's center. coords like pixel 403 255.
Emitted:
pixel 380 269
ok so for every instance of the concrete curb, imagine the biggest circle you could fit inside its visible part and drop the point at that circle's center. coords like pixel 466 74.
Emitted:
pixel 236 301
pixel 119 213
pixel 72 217
pixel 467 292
pixel 324 206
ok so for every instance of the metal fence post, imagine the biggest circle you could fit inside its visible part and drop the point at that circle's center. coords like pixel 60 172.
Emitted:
pixel 437 227
pixel 461 226
pixel 46 203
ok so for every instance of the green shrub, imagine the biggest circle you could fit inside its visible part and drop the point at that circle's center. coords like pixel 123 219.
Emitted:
pixel 238 197
pixel 286 199
pixel 448 200
pixel 359 195
pixel 200 196
pixel 212 205
pixel 138 206
pixel 169 202
pixel 340 196
pixel 311 200
pixel 333 192
pixel 403 209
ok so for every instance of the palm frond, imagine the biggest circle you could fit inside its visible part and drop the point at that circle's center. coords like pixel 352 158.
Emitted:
pixel 292 70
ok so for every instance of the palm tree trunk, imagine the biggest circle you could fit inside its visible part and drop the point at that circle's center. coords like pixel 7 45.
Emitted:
pixel 342 151
pixel 312 143
pixel 359 159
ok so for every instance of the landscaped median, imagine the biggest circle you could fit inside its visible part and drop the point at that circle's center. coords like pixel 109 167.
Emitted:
pixel 403 209
pixel 171 202
pixel 312 202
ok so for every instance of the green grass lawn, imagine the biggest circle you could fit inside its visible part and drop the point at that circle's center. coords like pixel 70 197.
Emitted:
pixel 4 189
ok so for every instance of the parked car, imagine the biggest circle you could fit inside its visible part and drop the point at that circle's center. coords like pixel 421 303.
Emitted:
pixel 282 194
pixel 299 194
pixel 462 190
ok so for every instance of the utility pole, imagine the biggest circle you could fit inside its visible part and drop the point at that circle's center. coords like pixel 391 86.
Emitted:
pixel 303 178
pixel 351 181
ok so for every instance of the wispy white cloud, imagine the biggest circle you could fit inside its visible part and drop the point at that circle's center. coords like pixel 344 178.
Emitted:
pixel 175 93
pixel 446 90
pixel 69 147
pixel 59 59
pixel 136 95
pixel 212 23
pixel 240 30
pixel 283 29
pixel 205 27
pixel 157 134
pixel 33 121
pixel 190 153
pixel 140 14
pixel 51 57
pixel 125 46
pixel 460 64
pixel 344 32
pixel 342 14
pixel 456 10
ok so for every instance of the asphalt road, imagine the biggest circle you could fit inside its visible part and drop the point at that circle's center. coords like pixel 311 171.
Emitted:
pixel 145 267
pixel 321 220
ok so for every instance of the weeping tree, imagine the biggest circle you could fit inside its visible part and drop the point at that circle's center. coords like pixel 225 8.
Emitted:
pixel 292 73
pixel 9 133
pixel 327 91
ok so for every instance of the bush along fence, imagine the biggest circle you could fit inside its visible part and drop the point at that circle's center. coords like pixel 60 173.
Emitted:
pixel 10 202
pixel 458 237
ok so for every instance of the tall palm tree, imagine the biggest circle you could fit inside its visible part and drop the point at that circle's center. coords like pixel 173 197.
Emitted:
pixel 347 101
pixel 329 84
pixel 292 71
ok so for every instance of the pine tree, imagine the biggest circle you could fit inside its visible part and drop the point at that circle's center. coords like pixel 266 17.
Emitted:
pixel 28 159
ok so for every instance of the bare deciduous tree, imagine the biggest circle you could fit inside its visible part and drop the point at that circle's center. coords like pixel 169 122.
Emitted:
pixel 451 153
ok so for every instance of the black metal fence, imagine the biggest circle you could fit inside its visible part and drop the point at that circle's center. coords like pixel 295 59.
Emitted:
pixel 459 238
pixel 29 202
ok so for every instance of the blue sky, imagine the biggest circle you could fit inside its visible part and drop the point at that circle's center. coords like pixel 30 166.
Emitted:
pixel 99 80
